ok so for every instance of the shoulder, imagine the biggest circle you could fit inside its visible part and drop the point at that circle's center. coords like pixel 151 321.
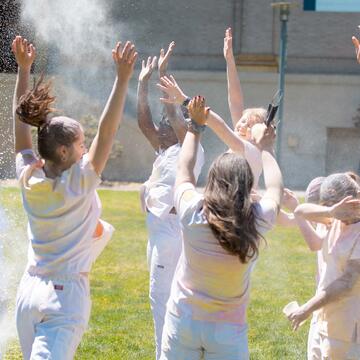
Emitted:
pixel 187 199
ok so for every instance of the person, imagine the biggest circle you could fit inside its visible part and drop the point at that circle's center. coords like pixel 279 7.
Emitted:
pixel 59 197
pixel 157 194
pixel 356 43
pixel 338 293
pixel 222 230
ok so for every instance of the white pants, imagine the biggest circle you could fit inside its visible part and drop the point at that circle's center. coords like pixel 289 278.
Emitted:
pixel 163 252
pixel 314 341
pixel 52 315
pixel 321 347
pixel 187 339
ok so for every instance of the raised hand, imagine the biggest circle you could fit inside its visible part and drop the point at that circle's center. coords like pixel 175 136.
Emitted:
pixel 346 210
pixel 228 47
pixel 357 48
pixel 164 59
pixel 290 200
pixel 147 68
pixel 263 137
pixel 24 52
pixel 124 59
pixel 170 87
pixel 197 110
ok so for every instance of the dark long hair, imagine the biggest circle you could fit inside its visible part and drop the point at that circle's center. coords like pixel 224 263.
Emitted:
pixel 228 206
pixel 35 108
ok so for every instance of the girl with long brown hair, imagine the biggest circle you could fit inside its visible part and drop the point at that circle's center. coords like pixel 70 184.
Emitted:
pixel 222 231
pixel 59 196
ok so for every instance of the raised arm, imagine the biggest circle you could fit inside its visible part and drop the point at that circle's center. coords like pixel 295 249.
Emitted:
pixel 175 95
pixel 357 48
pixel 175 117
pixel 111 117
pixel 144 117
pixel 272 174
pixel 347 210
pixel 25 55
pixel 189 149
pixel 235 95
pixel 337 290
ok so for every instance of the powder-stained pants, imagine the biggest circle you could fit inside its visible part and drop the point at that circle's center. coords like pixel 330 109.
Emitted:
pixel 52 315
pixel 163 252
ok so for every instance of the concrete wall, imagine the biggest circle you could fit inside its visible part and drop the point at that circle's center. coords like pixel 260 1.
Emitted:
pixel 315 105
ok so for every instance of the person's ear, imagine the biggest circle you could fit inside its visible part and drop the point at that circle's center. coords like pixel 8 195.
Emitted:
pixel 63 153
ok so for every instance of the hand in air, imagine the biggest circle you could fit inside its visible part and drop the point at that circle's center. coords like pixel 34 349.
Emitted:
pixel 170 87
pixel 346 210
pixel 263 136
pixel 164 59
pixel 298 316
pixel 228 47
pixel 24 52
pixel 290 200
pixel 147 68
pixel 125 59
pixel 357 48
pixel 197 110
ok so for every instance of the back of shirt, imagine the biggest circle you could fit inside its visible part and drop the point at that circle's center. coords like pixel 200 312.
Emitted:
pixel 63 214
pixel 211 283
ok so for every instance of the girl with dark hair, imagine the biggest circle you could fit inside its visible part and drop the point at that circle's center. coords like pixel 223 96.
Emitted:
pixel 222 231
pixel 63 209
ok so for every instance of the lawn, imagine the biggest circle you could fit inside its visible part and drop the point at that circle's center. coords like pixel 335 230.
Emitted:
pixel 121 323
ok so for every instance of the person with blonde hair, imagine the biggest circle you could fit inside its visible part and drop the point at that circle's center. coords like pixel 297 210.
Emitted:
pixel 63 209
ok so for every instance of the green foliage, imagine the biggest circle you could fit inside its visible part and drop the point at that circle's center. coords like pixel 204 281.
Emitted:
pixel 121 323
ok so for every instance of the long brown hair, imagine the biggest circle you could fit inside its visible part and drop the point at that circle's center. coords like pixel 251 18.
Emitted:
pixel 228 207
pixel 35 108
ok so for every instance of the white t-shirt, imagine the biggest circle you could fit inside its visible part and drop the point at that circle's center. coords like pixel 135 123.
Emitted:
pixel 157 193
pixel 210 283
pixel 340 319
pixel 62 213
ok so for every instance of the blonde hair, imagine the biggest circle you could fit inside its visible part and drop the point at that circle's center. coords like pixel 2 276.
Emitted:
pixel 254 116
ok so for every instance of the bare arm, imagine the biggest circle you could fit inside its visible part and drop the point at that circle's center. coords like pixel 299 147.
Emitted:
pixel 272 174
pixel 25 56
pixel 189 149
pixel 337 290
pixel 112 114
pixel 347 210
pixel 223 131
pixel 235 94
pixel 144 117
pixel 175 117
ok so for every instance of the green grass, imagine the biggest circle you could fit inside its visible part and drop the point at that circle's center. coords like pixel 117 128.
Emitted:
pixel 121 322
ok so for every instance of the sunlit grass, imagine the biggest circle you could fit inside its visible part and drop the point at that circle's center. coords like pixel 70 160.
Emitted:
pixel 121 322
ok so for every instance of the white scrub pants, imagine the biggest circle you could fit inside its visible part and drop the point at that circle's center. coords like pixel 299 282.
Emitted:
pixel 186 338
pixel 163 252
pixel 52 314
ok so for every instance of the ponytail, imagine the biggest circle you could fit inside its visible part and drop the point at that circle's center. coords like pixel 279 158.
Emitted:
pixel 36 104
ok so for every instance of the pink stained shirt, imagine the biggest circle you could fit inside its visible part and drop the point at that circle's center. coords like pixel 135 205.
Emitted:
pixel 340 319
pixel 210 283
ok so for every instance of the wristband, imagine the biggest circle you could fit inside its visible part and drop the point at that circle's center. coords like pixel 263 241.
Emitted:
pixel 186 101
pixel 194 126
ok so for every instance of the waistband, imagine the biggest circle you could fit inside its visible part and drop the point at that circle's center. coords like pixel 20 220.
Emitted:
pixel 54 276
